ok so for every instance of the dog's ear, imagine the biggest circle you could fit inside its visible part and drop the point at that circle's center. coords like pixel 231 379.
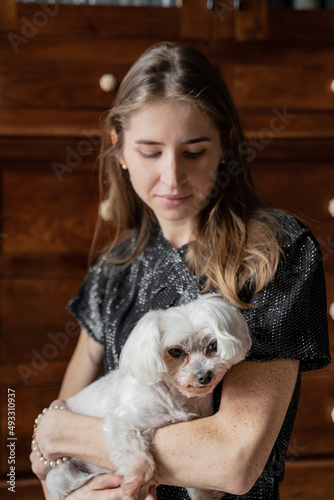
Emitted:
pixel 142 354
pixel 234 340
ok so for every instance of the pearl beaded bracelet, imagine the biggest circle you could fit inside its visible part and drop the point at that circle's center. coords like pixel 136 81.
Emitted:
pixel 35 448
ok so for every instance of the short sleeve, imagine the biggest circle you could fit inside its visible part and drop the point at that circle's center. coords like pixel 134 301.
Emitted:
pixel 87 306
pixel 289 317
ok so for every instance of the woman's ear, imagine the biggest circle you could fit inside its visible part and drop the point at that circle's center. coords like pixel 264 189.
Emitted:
pixel 113 136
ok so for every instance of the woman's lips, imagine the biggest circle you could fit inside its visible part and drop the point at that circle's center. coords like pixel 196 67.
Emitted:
pixel 173 201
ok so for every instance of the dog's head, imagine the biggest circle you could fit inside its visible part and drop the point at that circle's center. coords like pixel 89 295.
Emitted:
pixel 192 346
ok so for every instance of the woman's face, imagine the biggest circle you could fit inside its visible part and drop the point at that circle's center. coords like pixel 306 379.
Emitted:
pixel 172 152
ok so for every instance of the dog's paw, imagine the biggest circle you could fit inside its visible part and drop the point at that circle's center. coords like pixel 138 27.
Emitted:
pixel 138 480
pixel 65 478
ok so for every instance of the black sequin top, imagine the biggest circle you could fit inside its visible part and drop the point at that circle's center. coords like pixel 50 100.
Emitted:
pixel 289 320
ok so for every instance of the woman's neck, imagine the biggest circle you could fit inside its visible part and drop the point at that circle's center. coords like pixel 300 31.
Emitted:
pixel 177 234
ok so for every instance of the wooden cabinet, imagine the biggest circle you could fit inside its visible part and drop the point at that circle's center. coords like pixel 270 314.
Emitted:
pixel 279 68
pixel 297 175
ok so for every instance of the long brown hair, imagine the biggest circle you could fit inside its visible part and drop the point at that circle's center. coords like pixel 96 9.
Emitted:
pixel 237 235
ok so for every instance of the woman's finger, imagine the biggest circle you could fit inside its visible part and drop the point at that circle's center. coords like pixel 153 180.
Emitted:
pixel 102 487
pixel 82 494
pixel 104 481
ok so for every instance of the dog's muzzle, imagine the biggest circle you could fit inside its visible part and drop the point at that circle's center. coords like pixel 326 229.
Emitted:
pixel 203 378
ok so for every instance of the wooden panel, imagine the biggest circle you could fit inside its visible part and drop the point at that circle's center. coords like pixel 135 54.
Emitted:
pixel 73 85
pixel 97 21
pixel 330 300
pixel 222 20
pixel 303 124
pixel 107 51
pixel 77 67
pixel 293 26
pixel 36 122
pixel 42 376
pixel 8 14
pixel 195 20
pixel 311 480
pixel 271 53
pixel 304 189
pixel 42 214
pixel 316 151
pixel 17 152
pixel 35 322
pixel 284 86
pixel 112 21
pixel 314 426
pixel 251 20
pixel 44 265
pixel 57 123
pixel 330 297
pixel 58 49
pixel 26 489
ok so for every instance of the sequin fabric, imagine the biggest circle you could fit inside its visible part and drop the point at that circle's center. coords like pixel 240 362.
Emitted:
pixel 289 319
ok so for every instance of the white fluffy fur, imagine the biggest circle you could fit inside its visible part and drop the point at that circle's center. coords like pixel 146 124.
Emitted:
pixel 153 388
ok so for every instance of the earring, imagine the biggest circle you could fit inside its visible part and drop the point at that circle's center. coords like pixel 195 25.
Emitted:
pixel 124 167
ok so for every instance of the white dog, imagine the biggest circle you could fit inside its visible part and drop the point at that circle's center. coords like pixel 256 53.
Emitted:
pixel 168 369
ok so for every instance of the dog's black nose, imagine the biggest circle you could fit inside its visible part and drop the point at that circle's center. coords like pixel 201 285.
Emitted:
pixel 203 377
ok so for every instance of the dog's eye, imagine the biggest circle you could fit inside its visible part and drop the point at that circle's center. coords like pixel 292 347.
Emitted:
pixel 175 353
pixel 212 347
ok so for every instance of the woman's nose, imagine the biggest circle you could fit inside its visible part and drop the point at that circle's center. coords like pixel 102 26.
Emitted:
pixel 173 174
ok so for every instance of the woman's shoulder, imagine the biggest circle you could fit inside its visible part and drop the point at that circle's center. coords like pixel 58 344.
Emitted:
pixel 301 257
pixel 120 260
pixel 294 233
pixel 111 260
pixel 289 315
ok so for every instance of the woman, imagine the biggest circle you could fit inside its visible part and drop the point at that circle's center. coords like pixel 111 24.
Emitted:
pixel 176 187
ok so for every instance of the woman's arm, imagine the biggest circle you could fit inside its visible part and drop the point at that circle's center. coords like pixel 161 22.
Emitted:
pixel 83 366
pixel 81 371
pixel 229 450
pixel 226 451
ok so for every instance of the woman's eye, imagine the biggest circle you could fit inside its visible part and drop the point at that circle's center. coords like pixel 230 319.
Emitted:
pixel 188 154
pixel 150 155
pixel 175 353
pixel 194 154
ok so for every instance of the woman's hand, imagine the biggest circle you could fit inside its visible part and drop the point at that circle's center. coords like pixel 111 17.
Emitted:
pixel 44 432
pixel 104 487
